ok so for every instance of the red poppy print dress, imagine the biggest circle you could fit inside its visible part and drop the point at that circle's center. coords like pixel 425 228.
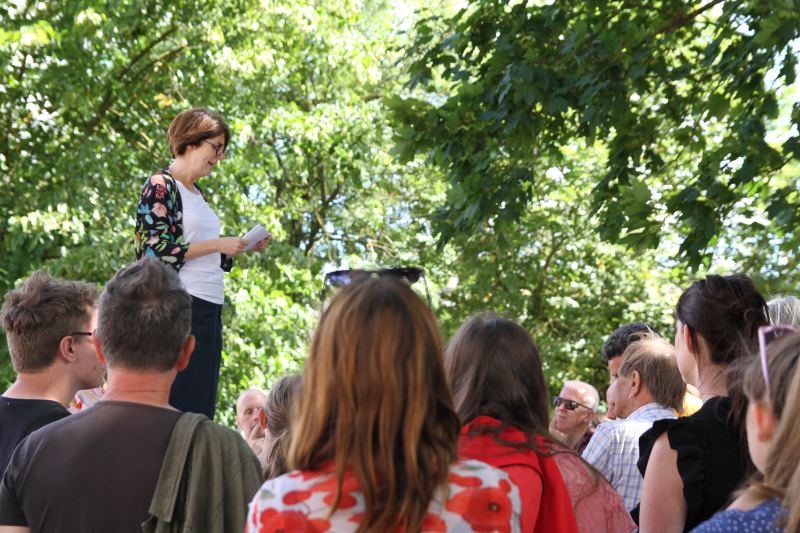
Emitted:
pixel 480 499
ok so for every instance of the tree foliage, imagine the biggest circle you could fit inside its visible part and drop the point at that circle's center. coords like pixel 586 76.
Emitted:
pixel 681 93
pixel 88 89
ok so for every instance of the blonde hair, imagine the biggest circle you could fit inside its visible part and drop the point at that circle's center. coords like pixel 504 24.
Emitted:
pixel 654 359
pixel 782 468
pixel 375 399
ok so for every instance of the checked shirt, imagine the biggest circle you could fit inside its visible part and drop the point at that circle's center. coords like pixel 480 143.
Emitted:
pixel 614 450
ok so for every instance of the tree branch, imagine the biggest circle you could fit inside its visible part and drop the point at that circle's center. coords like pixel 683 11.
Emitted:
pixel 682 20
pixel 146 50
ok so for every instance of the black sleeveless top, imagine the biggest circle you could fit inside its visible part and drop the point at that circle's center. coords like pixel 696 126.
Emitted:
pixel 711 460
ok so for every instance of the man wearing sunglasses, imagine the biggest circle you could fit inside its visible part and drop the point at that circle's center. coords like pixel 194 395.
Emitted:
pixel 576 407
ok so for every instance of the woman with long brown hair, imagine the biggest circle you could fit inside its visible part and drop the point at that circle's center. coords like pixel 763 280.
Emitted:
pixel 375 436
pixel 692 465
pixel 770 503
pixel 500 395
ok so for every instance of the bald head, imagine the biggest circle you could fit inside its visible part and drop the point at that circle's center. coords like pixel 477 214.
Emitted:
pixel 247 406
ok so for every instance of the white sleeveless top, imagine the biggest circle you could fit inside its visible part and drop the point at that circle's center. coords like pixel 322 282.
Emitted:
pixel 203 277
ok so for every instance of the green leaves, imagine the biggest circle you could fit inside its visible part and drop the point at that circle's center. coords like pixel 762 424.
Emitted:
pixel 681 84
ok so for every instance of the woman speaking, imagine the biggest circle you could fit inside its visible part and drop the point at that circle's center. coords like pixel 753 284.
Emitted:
pixel 175 223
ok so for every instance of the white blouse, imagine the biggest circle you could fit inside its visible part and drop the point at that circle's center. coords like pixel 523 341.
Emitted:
pixel 203 277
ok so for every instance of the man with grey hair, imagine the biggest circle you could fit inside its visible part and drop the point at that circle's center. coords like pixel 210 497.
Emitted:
pixel 576 407
pixel 247 407
pixel 649 387
pixel 157 467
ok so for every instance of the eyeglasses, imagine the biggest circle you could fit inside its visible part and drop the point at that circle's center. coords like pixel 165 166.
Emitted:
pixel 569 405
pixel 87 333
pixel 767 334
pixel 220 150
pixel 341 278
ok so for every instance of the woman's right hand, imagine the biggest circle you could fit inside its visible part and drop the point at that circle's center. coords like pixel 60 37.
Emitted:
pixel 232 246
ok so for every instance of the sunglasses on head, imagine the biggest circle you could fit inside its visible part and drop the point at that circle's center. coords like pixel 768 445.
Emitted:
pixel 767 334
pixel 341 278
pixel 569 405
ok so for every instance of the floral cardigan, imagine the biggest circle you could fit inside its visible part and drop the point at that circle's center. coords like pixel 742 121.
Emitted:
pixel 159 222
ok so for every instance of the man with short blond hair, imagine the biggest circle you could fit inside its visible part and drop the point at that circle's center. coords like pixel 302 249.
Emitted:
pixel 48 324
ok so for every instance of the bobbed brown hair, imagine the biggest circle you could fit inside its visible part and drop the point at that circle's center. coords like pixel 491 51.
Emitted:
pixel 40 313
pixel 654 359
pixel 782 469
pixel 726 311
pixel 375 399
pixel 278 411
pixel 193 126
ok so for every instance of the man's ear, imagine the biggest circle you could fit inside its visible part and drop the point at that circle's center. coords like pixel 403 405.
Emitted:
pixel 98 349
pixel 636 383
pixel 66 349
pixel 764 421
pixel 262 418
pixel 186 353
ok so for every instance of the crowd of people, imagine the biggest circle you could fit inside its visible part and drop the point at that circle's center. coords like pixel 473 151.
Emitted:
pixel 108 425
pixel 387 428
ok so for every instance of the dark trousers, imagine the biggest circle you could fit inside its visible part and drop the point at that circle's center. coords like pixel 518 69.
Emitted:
pixel 195 387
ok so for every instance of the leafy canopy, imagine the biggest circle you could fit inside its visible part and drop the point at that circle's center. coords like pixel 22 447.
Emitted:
pixel 681 93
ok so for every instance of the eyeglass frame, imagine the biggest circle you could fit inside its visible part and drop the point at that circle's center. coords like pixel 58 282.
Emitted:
pixel 565 400
pixel 219 149
pixel 762 348
pixel 381 272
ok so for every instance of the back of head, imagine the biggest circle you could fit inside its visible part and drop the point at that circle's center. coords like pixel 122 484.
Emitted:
pixel 785 311
pixel 39 314
pixel 623 336
pixel 726 311
pixel 654 359
pixel 782 468
pixel 374 398
pixel 278 409
pixel 144 318
pixel 494 369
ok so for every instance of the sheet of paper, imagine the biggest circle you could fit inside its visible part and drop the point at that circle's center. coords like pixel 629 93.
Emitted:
pixel 254 235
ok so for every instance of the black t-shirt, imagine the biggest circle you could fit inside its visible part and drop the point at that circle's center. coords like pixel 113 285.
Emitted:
pixel 19 418
pixel 95 471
